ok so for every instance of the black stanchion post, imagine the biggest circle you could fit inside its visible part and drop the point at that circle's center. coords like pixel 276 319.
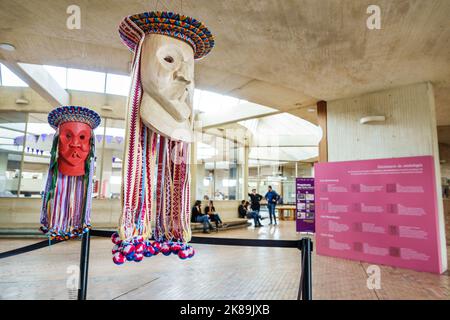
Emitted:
pixel 306 263
pixel 305 286
pixel 84 264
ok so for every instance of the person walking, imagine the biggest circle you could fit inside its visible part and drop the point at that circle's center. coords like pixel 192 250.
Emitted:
pixel 272 198
pixel 198 216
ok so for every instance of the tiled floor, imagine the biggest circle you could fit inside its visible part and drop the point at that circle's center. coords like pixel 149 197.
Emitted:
pixel 216 272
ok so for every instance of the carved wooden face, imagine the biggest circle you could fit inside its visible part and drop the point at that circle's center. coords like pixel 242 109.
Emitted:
pixel 73 148
pixel 167 75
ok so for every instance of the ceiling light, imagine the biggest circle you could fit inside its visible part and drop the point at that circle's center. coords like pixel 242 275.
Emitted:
pixel 369 119
pixel 311 110
pixel 22 101
pixel 7 47
pixel 107 108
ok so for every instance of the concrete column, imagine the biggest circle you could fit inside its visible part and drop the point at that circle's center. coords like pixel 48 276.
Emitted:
pixel 322 121
pixel 107 172
pixel 3 168
pixel 245 173
pixel 193 171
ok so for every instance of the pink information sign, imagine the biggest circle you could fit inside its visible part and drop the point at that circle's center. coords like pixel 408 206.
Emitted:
pixel 380 211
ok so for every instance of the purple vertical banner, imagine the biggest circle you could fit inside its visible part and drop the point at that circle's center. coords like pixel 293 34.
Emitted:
pixel 305 205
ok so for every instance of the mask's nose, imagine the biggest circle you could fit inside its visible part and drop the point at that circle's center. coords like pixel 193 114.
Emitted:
pixel 75 143
pixel 182 74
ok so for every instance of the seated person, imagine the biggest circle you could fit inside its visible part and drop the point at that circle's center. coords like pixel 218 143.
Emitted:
pixel 198 216
pixel 254 215
pixel 213 215
pixel 242 211
pixel 249 214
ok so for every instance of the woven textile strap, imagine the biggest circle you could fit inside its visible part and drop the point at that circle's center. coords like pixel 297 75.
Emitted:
pixel 132 164
pixel 145 152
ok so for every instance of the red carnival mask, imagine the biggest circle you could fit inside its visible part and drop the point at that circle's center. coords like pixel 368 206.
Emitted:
pixel 73 148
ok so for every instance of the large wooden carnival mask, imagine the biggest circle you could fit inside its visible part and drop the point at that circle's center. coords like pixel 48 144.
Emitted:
pixel 159 115
pixel 167 73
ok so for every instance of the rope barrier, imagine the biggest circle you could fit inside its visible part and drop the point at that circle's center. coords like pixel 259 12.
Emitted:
pixel 227 241
pixel 31 247
pixel 304 245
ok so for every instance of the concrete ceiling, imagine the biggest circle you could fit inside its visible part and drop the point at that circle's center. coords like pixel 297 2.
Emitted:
pixel 283 54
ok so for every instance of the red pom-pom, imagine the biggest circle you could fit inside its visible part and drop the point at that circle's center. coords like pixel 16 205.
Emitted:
pixel 165 248
pixel 115 249
pixel 115 238
pixel 138 257
pixel 175 247
pixel 157 245
pixel 118 258
pixel 182 254
pixel 128 249
pixel 140 247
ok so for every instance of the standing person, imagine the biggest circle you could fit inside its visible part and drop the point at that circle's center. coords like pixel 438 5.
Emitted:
pixel 255 199
pixel 198 216
pixel 213 215
pixel 272 198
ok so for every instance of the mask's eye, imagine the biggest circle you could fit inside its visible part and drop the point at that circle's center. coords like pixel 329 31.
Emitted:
pixel 82 137
pixel 68 136
pixel 169 59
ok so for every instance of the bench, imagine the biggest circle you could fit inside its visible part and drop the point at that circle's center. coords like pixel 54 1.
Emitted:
pixel 228 223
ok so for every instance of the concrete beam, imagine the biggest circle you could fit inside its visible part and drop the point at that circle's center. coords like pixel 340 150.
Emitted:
pixel 241 112
pixel 40 81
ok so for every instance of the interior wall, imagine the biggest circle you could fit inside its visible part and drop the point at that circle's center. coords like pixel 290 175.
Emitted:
pixel 406 131
pixel 410 129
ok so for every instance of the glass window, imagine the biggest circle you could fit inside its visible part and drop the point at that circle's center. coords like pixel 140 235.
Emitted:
pixel 219 165
pixel 207 101
pixel 36 158
pixel 281 176
pixel 117 84
pixel 84 80
pixel 59 74
pixel 9 78
pixel 99 134
pixel 113 148
pixel 12 132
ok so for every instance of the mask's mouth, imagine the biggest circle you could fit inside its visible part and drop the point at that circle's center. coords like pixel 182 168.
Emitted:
pixel 76 155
